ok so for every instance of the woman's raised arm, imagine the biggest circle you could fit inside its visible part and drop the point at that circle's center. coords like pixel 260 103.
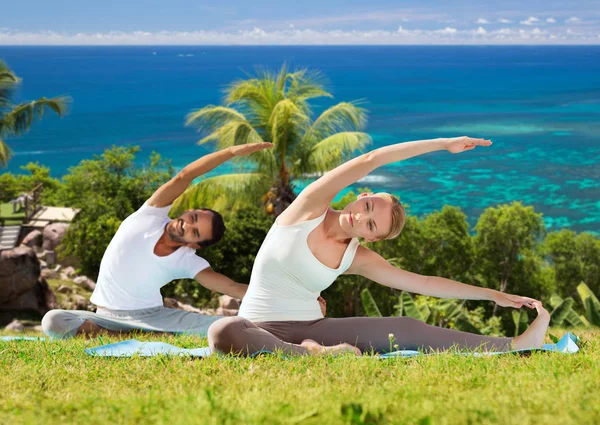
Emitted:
pixel 319 194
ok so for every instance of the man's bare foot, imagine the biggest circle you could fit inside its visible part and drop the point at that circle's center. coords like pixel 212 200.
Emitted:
pixel 533 337
pixel 91 330
pixel 314 348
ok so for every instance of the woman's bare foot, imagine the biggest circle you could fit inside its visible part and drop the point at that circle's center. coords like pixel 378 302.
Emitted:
pixel 314 348
pixel 533 337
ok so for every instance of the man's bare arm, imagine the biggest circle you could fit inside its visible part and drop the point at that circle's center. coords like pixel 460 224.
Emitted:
pixel 218 282
pixel 174 188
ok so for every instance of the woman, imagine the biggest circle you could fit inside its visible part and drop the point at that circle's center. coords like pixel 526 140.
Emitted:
pixel 310 244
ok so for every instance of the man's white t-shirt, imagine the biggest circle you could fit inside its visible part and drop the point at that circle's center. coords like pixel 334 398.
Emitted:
pixel 131 275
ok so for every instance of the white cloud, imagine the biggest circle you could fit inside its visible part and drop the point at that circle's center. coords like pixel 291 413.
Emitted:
pixel 573 20
pixel 447 30
pixel 504 21
pixel 482 21
pixel 551 20
pixel 295 36
pixel 530 21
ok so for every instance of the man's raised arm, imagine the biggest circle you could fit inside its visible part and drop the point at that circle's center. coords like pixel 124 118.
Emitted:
pixel 171 190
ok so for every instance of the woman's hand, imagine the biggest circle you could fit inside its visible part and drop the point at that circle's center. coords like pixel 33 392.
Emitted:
pixel 516 301
pixel 464 143
pixel 323 305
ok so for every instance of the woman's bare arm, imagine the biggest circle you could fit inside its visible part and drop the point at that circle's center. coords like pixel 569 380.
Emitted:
pixel 318 195
pixel 373 266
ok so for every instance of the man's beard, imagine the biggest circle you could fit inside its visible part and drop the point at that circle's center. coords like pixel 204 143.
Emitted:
pixel 175 235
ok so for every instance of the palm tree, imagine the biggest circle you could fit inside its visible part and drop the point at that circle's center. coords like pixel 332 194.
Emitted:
pixel 17 119
pixel 273 107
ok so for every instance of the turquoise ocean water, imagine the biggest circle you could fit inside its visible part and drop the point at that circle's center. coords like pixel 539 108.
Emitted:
pixel 539 105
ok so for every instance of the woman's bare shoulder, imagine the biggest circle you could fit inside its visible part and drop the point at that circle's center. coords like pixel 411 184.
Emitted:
pixel 298 213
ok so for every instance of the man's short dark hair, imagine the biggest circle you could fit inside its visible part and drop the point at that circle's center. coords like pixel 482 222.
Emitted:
pixel 218 228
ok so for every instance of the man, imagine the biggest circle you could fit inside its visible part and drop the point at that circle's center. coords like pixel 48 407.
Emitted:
pixel 148 251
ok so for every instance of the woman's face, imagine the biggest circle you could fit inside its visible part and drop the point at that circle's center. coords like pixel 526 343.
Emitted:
pixel 369 217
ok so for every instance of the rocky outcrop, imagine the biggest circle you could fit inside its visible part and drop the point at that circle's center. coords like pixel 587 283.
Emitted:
pixel 33 239
pixel 85 282
pixel 53 234
pixel 19 272
pixel 15 326
pixel 39 298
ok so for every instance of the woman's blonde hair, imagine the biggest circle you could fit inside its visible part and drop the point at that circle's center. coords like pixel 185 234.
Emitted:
pixel 398 215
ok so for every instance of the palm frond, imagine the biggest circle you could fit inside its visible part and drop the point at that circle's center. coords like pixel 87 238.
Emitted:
pixel 8 81
pixel 333 151
pixel 5 153
pixel 211 117
pixel 287 124
pixel 224 193
pixel 21 117
pixel 255 98
pixel 231 134
pixel 344 116
pixel 305 85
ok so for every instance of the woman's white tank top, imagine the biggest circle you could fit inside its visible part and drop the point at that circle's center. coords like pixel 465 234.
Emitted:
pixel 287 278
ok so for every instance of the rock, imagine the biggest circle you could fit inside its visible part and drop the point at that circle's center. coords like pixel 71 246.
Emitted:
pixel 85 282
pixel 15 326
pixel 64 289
pixel 57 268
pixel 90 284
pixel 226 312
pixel 53 234
pixel 39 298
pixel 173 303
pixel 225 301
pixel 49 274
pixel 19 272
pixel 33 238
pixel 69 272
pixel 50 257
pixel 43 264
pixel 81 303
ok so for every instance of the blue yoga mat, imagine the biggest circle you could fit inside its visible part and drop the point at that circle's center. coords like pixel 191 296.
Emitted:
pixel 133 347
pixel 21 338
pixel 567 344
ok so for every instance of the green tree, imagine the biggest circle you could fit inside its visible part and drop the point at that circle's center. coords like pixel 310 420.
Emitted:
pixel 575 259
pixel 274 107
pixel 12 185
pixel 17 119
pixel 106 189
pixel 506 242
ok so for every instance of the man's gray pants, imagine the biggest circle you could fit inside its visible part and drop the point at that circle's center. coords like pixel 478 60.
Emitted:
pixel 65 323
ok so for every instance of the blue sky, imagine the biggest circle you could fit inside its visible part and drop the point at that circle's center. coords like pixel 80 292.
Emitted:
pixel 300 22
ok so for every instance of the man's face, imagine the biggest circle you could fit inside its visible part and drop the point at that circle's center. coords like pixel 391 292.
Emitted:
pixel 191 228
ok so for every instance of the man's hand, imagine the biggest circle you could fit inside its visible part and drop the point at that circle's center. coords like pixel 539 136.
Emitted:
pixel 249 148
pixel 323 305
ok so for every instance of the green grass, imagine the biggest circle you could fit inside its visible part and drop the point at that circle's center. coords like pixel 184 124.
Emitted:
pixel 54 382
pixel 6 213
